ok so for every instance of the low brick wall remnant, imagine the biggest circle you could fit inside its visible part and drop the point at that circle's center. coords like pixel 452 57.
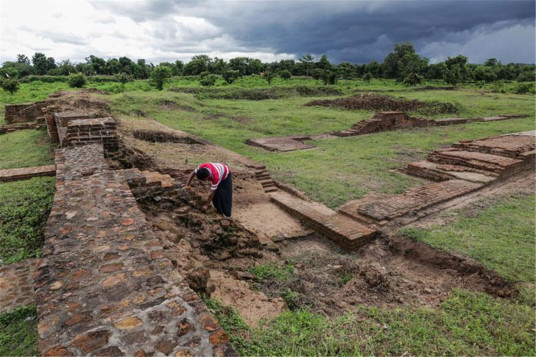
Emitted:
pixel 22 113
pixel 104 286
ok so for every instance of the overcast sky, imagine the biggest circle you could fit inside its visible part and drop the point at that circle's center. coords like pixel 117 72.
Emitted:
pixel 353 31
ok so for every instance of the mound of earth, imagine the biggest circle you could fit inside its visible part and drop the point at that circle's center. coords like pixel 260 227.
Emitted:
pixel 385 103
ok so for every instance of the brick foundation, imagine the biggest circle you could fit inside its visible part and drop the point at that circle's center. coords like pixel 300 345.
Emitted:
pixel 104 285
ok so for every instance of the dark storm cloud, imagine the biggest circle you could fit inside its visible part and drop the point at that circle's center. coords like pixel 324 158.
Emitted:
pixel 355 31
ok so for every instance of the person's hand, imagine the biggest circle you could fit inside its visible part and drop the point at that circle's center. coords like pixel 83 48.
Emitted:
pixel 204 208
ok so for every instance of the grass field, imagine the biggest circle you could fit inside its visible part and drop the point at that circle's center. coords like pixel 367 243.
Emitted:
pixel 339 169
pixel 25 148
pixel 24 208
pixel 501 236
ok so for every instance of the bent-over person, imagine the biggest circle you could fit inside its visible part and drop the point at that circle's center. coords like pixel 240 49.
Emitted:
pixel 221 189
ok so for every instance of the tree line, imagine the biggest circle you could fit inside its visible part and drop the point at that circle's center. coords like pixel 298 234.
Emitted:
pixel 402 64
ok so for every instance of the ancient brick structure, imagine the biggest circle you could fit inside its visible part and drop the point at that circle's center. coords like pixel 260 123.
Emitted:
pixel 75 128
pixel 104 286
pixel 25 173
pixel 344 231
pixel 86 131
pixel 20 113
pixel 466 167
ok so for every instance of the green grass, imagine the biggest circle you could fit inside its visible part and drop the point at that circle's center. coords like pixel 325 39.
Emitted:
pixel 272 271
pixel 501 237
pixel 24 208
pixel 465 324
pixel 25 148
pixel 18 332
pixel 339 169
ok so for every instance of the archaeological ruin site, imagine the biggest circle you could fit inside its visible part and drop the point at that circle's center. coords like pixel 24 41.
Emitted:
pixel 128 254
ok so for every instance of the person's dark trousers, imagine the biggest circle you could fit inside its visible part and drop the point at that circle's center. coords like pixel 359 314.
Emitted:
pixel 223 198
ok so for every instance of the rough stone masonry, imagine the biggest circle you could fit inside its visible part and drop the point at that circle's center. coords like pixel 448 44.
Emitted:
pixel 103 285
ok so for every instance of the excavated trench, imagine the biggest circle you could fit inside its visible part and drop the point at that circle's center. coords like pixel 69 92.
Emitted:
pixel 217 257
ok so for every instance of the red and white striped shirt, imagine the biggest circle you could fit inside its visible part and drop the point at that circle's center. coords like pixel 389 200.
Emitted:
pixel 217 173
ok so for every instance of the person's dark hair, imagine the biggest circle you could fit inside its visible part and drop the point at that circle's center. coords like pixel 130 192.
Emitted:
pixel 202 173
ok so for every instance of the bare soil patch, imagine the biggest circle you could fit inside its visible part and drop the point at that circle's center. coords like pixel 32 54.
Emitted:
pixel 386 103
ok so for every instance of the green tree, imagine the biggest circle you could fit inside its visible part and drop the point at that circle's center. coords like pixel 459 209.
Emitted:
pixel 10 85
pixel 323 63
pixel 269 76
pixel 197 65
pixel 77 80
pixel 160 76
pixel 42 64
pixel 452 75
pixel 329 77
pixel 402 61
pixel 367 77
pixel 307 62
pixel 346 70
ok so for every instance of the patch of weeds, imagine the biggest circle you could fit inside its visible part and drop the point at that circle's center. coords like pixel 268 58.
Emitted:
pixel 233 324
pixel 291 298
pixel 345 278
pixel 24 209
pixel 18 332
pixel 271 271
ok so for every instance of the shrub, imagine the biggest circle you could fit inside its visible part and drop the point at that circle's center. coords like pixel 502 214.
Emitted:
pixel 123 77
pixel 10 85
pixel 412 79
pixel 523 88
pixel 285 74
pixel 230 75
pixel 77 80
pixel 367 77
pixel 526 77
pixel 207 79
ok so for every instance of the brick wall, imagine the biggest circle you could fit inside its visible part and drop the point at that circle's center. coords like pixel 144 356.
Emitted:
pixel 104 285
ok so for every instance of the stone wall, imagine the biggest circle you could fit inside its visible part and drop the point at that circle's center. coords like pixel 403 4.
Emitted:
pixel 104 286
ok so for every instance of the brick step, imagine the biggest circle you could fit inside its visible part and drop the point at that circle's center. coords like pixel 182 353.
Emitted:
pixel 266 182
pixel 25 173
pixel 271 189
pixel 477 160
pixel 442 172
pixel 263 176
pixel 507 145
pixel 344 231
pixel 385 207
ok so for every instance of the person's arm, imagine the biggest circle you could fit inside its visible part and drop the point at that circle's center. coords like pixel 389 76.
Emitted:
pixel 190 179
pixel 209 199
